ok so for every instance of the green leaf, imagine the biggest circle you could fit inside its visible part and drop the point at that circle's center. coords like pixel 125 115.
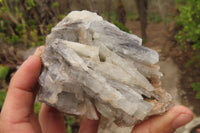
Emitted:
pixel 196 87
pixel 69 129
pixel 37 107
pixel 189 21
pixel 198 95
pixel 31 3
pixel 3 72
pixel 56 4
pixel 69 120
pixel 121 26
pixel 2 98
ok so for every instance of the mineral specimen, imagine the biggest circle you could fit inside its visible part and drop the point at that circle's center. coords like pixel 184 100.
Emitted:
pixel 89 63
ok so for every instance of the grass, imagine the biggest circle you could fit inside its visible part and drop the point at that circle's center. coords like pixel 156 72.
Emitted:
pixel 131 16
pixel 113 16
pixel 154 18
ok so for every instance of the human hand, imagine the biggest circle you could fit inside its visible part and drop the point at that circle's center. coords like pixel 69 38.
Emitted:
pixel 18 116
pixel 166 123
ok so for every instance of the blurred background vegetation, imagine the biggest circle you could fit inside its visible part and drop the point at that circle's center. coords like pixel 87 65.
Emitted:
pixel 24 24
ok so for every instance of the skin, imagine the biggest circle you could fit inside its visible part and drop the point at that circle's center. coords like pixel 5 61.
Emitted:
pixel 17 115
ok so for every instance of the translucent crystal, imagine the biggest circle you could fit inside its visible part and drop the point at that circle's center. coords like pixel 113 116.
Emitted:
pixel 89 63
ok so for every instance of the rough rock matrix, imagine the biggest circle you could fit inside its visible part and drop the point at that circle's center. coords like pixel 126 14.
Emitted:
pixel 89 62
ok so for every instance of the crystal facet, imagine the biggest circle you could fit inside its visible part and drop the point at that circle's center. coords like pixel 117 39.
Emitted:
pixel 90 63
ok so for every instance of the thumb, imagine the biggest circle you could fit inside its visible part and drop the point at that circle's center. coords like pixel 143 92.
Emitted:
pixel 166 123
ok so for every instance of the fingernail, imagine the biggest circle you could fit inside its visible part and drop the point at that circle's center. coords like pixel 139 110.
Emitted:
pixel 38 51
pixel 181 120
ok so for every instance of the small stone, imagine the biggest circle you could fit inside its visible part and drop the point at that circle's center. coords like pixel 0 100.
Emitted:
pixel 89 63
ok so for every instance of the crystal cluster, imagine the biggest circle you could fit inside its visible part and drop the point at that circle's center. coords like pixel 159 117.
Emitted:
pixel 89 63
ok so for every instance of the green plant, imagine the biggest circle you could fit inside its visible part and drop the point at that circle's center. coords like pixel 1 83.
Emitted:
pixel 41 40
pixel 37 107
pixel 189 35
pixel 56 4
pixel 61 16
pixel 154 18
pixel 113 16
pixel 2 98
pixel 32 24
pixel 31 4
pixel 3 72
pixel 21 24
pixel 69 121
pixel 194 61
pixel 189 21
pixel 196 87
pixel 121 26
pixel 13 39
pixel 131 16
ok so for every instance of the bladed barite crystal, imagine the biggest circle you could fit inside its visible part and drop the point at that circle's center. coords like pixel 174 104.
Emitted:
pixel 89 63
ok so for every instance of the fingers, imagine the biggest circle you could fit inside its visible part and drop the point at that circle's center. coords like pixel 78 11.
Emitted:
pixel 20 98
pixel 51 120
pixel 167 123
pixel 88 126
